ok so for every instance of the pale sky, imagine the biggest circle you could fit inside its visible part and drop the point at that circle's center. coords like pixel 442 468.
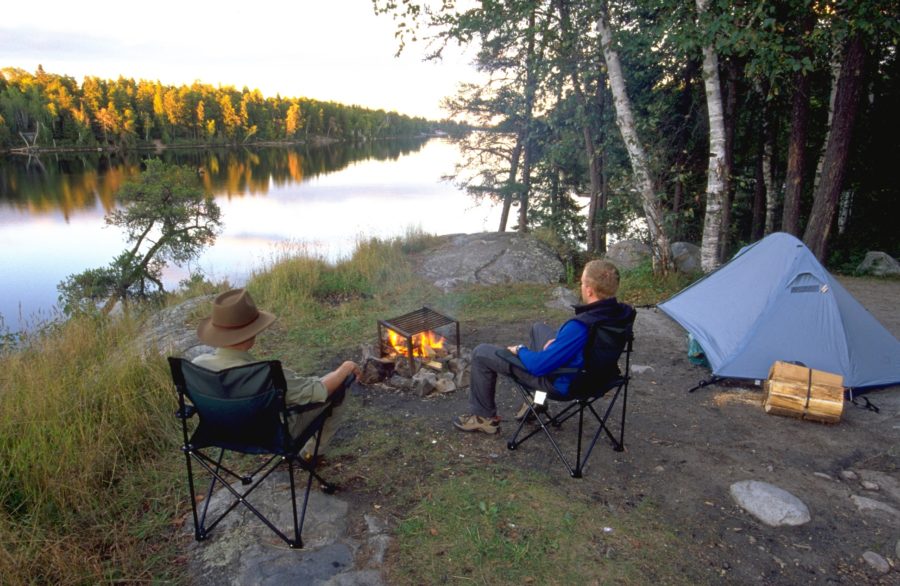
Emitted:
pixel 336 50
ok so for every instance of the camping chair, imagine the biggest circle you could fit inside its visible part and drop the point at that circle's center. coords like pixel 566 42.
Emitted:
pixel 599 375
pixel 243 410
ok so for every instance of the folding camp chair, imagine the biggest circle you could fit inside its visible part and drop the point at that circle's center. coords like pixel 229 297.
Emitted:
pixel 243 410
pixel 596 379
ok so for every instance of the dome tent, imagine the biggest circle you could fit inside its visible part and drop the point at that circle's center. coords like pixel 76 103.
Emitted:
pixel 775 301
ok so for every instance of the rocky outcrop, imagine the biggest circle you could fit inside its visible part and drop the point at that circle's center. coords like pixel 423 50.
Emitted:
pixel 686 257
pixel 491 258
pixel 627 254
pixel 879 264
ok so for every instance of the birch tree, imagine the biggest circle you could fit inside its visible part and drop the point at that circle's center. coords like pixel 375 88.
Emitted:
pixel 715 186
pixel 640 167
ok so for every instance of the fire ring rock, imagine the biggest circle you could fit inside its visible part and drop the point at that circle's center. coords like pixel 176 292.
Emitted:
pixel 491 258
pixel 770 504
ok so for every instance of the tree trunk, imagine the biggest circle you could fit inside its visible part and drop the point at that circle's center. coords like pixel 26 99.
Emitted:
pixel 715 178
pixel 510 183
pixel 837 149
pixel 730 124
pixel 530 91
pixel 767 169
pixel 790 215
pixel 636 154
pixel 595 231
pixel 758 222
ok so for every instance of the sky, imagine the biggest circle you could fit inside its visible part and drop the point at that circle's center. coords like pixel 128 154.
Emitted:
pixel 330 50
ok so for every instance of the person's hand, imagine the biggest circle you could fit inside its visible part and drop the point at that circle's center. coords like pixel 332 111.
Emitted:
pixel 349 367
pixel 515 349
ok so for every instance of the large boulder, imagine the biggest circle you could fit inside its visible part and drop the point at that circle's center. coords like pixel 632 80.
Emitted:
pixel 770 504
pixel 686 257
pixel 879 264
pixel 627 254
pixel 491 258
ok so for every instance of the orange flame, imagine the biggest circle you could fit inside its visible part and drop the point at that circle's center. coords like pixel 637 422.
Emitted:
pixel 423 345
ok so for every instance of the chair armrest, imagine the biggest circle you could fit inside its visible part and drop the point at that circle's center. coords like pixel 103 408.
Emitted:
pixel 290 409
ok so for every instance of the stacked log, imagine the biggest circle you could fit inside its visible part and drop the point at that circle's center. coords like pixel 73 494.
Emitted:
pixel 797 391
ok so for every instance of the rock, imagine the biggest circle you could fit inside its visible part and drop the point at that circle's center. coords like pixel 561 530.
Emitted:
pixel 444 386
pixel 375 370
pixel 879 264
pixel 770 504
pixel 878 563
pixel 867 505
pixel 491 258
pixel 167 332
pixel 424 382
pixel 638 369
pixel 463 379
pixel 400 382
pixel 887 484
pixel 562 298
pixel 627 254
pixel 897 550
pixel 849 475
pixel 686 257
pixel 823 475
pixel 869 485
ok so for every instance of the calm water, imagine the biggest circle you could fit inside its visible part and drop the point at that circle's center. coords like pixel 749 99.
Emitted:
pixel 272 200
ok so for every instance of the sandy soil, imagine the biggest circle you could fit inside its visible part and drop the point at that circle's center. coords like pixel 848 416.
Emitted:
pixel 683 451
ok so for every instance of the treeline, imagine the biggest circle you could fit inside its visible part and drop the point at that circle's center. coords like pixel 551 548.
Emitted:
pixel 55 110
pixel 710 121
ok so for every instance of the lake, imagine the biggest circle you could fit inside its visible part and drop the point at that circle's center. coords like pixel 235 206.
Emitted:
pixel 273 200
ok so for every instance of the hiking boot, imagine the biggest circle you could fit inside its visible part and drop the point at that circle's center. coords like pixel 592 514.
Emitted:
pixel 490 425
pixel 525 413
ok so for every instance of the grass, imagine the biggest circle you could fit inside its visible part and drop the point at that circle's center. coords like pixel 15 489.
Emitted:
pixel 84 495
pixel 91 486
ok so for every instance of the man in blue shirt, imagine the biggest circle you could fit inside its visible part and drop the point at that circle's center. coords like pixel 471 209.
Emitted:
pixel 546 351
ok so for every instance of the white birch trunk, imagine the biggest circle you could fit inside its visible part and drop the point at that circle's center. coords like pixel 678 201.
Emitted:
pixel 636 153
pixel 715 175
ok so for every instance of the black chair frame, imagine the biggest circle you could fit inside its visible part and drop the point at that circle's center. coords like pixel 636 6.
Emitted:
pixel 585 390
pixel 276 444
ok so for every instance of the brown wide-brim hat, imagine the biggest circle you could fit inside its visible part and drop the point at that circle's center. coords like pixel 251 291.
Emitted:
pixel 235 319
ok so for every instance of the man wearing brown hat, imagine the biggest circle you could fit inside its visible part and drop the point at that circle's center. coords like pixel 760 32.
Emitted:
pixel 232 330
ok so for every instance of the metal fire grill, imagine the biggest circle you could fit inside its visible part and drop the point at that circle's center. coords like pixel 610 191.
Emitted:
pixel 412 323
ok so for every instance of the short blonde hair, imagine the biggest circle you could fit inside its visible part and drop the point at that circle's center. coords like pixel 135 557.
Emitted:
pixel 602 276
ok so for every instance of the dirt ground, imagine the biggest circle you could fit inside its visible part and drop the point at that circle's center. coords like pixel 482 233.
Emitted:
pixel 684 450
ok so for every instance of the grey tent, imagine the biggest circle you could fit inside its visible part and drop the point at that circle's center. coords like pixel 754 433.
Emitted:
pixel 775 301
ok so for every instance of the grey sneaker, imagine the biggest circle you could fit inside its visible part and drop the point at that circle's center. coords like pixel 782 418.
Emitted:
pixel 490 425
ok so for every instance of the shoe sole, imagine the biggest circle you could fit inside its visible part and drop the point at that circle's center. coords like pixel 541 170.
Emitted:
pixel 493 431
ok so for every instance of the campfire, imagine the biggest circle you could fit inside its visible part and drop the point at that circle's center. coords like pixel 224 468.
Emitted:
pixel 419 350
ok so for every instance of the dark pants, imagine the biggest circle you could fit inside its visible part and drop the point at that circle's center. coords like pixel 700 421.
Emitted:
pixel 486 365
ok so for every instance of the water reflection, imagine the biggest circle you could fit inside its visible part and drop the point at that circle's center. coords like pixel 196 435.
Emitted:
pixel 272 199
pixel 73 182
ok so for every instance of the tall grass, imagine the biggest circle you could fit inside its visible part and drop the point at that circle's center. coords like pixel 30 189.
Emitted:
pixel 82 415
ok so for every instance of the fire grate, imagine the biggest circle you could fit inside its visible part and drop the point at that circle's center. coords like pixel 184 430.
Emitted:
pixel 412 323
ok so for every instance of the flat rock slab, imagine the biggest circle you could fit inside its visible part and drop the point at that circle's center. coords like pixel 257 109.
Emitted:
pixel 241 550
pixel 770 504
pixel 491 258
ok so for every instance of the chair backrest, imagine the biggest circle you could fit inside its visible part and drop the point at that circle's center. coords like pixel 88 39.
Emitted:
pixel 604 346
pixel 240 408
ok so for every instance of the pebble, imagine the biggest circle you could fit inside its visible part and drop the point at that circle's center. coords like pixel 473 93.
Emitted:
pixel 659 469
pixel 822 475
pixel 869 485
pixel 849 475
pixel 897 549
pixel 878 563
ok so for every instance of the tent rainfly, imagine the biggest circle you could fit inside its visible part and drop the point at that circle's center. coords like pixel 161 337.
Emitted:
pixel 775 301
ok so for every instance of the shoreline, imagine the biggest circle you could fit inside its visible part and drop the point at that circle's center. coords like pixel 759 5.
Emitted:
pixel 159 147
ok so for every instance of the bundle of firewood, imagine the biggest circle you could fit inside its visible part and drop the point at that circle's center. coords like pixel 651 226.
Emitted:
pixel 806 393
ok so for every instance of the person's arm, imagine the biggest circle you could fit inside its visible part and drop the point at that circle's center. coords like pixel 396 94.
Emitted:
pixel 568 344
pixel 333 379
